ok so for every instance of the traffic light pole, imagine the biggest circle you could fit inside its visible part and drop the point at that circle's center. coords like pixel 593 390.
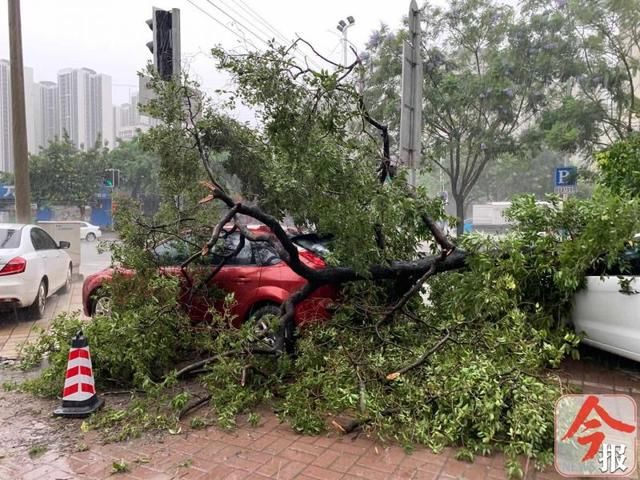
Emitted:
pixel 18 117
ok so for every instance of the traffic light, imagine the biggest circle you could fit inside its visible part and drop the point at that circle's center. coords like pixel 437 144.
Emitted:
pixel 111 178
pixel 107 179
pixel 165 46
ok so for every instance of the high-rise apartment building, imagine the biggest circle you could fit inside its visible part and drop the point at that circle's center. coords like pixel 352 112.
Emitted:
pixel 6 138
pixel 128 121
pixel 49 112
pixel 79 105
pixel 86 114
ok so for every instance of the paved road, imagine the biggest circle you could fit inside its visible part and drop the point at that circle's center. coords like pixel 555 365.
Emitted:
pixel 90 260
pixel 15 330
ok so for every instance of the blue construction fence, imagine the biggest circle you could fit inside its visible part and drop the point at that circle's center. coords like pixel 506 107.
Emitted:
pixel 100 208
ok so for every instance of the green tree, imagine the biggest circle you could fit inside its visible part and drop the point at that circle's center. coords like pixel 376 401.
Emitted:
pixel 601 104
pixel 489 73
pixel 7 178
pixel 139 172
pixel 61 174
pixel 619 166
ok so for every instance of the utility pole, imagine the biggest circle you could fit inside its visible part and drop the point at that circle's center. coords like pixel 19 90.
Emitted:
pixel 18 116
pixel 411 101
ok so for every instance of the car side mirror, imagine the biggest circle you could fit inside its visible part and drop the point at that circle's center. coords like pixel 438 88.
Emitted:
pixel 63 244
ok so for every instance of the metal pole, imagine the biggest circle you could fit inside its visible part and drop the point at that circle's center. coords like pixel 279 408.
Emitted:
pixel 411 98
pixel 18 116
pixel 344 45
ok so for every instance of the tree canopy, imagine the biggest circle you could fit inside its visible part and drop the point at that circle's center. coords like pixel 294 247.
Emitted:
pixel 501 83
pixel 62 174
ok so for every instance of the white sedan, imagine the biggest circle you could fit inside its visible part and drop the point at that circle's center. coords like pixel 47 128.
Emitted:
pixel 89 232
pixel 608 310
pixel 32 267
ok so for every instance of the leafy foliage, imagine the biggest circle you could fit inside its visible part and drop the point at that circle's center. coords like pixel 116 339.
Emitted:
pixel 139 170
pixel 619 166
pixel 322 160
pixel 62 174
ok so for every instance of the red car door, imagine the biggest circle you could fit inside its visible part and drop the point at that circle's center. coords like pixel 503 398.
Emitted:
pixel 196 302
pixel 240 276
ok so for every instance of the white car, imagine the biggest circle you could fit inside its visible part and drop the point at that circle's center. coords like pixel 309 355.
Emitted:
pixel 89 232
pixel 608 310
pixel 32 267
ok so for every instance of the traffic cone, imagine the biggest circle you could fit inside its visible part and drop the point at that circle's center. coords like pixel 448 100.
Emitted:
pixel 79 397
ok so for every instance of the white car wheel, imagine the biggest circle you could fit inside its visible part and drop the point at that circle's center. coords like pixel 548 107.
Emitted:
pixel 36 310
pixel 67 284
pixel 90 237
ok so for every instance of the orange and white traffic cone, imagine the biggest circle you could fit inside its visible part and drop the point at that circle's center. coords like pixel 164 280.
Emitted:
pixel 79 397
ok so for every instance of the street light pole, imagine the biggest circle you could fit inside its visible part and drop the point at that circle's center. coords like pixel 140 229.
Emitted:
pixel 343 27
pixel 18 117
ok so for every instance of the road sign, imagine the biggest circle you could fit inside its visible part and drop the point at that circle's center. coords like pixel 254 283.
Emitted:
pixel 7 192
pixel 566 180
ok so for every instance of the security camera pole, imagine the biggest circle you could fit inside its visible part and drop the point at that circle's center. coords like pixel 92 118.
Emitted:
pixel 18 117
pixel 411 101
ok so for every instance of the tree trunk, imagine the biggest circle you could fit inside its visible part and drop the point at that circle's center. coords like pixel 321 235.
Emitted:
pixel 82 211
pixel 460 214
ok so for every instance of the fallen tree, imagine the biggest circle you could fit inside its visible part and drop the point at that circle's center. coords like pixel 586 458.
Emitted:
pixel 465 368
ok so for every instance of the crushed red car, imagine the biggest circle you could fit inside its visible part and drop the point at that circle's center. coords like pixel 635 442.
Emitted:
pixel 259 279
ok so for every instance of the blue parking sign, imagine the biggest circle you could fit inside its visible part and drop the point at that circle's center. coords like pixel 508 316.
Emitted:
pixel 566 180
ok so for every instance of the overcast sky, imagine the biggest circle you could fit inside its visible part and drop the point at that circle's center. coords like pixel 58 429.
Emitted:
pixel 109 36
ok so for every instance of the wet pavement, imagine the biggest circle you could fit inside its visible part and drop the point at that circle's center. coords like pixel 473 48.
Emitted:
pixel 34 445
pixel 16 329
pixel 270 450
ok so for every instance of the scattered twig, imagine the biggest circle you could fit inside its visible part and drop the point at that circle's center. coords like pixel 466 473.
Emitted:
pixel 197 366
pixel 122 392
pixel 356 423
pixel 194 406
pixel 421 360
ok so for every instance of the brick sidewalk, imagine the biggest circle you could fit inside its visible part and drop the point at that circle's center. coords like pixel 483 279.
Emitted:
pixel 15 329
pixel 273 450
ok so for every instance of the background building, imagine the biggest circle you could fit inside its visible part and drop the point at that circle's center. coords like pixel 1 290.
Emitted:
pixel 6 139
pixel 128 122
pixel 6 148
pixel 79 105
pixel 49 113
pixel 85 106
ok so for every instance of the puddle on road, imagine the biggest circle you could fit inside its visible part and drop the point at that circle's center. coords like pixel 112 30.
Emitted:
pixel 28 431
